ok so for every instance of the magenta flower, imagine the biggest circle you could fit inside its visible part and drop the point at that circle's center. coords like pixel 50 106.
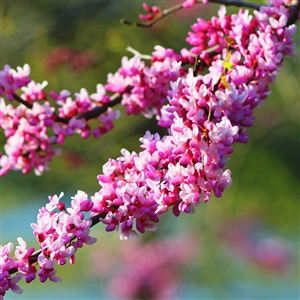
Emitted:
pixel 6 263
pixel 34 91
pixel 11 80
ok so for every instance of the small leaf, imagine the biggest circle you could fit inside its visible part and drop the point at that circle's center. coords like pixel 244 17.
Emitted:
pixel 227 65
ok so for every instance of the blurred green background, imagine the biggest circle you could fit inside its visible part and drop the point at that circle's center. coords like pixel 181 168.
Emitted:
pixel 247 242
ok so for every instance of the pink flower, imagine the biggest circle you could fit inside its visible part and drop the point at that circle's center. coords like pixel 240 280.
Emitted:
pixel 82 100
pixel 11 80
pixel 100 96
pixel 152 12
pixel 55 202
pixel 34 91
pixel 6 263
pixel 80 203
pixel 61 234
pixel 189 3
pixel 23 254
pixel 61 97
pixel 46 271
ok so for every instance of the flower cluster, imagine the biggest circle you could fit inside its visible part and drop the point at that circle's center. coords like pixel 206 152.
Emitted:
pixel 206 112
pixel 34 126
pixel 28 145
pixel 150 84
pixel 11 80
pixel 7 263
pixel 152 12
pixel 59 233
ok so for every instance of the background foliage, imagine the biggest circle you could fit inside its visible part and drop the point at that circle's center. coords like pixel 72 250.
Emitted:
pixel 262 204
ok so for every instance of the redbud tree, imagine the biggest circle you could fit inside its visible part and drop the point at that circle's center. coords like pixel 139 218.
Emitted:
pixel 203 96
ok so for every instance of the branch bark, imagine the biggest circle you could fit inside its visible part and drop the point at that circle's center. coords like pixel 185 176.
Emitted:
pixel 95 112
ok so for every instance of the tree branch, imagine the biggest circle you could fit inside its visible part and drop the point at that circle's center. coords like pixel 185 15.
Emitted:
pixel 114 100
pixel 237 3
pixel 293 12
pixel 177 7
pixel 163 14
pixel 22 101
pixel 95 112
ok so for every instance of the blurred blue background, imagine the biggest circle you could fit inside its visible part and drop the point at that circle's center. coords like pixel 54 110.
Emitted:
pixel 245 244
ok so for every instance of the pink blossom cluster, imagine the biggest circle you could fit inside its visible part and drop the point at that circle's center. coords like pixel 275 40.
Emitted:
pixel 74 110
pixel 11 80
pixel 206 114
pixel 59 234
pixel 7 263
pixel 150 268
pixel 34 126
pixel 259 41
pixel 152 12
pixel 28 145
pixel 150 84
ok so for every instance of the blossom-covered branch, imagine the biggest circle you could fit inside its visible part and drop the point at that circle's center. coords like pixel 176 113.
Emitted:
pixel 33 127
pixel 205 114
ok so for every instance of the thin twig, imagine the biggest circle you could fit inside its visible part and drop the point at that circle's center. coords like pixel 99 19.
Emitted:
pixel 135 52
pixel 97 111
pixel 30 105
pixel 237 3
pixel 22 101
pixel 198 62
pixel 177 7
pixel 163 14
